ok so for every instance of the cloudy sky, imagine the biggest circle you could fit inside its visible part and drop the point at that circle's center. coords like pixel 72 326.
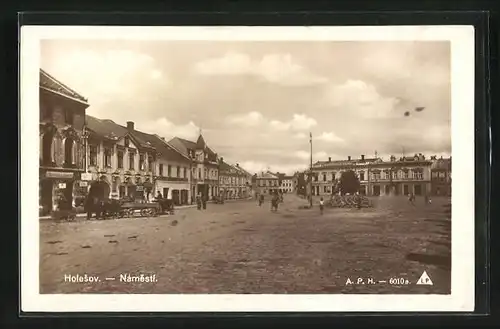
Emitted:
pixel 256 102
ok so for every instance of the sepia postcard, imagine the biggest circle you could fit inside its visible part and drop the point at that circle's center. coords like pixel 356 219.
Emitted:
pixel 247 169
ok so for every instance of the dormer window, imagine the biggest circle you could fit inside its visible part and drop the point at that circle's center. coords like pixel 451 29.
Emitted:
pixel 127 142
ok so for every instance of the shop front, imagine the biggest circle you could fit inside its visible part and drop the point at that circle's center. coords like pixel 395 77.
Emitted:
pixel 55 188
pixel 177 191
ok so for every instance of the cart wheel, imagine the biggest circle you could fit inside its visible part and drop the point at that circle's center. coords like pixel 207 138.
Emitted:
pixel 144 212
pixel 131 213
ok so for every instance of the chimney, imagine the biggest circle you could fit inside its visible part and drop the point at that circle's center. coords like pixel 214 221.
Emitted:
pixel 362 157
pixel 130 125
pixel 349 158
pixel 329 159
pixel 238 165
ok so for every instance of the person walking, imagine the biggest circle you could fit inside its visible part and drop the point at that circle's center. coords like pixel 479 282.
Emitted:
pixel 321 205
pixel 261 200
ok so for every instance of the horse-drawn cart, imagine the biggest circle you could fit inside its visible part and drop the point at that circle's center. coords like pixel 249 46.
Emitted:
pixel 130 209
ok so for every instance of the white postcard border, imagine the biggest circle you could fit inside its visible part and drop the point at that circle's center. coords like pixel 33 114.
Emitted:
pixel 462 126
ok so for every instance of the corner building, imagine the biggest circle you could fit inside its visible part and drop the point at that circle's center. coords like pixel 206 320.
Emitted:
pixel 61 149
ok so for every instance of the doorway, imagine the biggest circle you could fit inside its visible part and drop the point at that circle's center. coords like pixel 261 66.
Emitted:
pixel 46 186
pixel 405 190
pixel 418 189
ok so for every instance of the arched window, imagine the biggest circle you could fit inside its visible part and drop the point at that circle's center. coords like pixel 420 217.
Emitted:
pixel 47 139
pixel 68 151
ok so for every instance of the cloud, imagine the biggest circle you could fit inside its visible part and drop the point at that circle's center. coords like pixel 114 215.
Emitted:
pixel 298 122
pixel 275 68
pixel 299 136
pixel 250 119
pixel 165 128
pixel 361 99
pixel 329 137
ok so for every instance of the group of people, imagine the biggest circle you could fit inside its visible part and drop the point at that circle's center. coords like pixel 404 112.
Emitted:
pixel 201 201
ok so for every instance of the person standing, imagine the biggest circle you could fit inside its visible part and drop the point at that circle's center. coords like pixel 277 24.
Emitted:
pixel 261 200
pixel 204 201
pixel 321 205
pixel 198 201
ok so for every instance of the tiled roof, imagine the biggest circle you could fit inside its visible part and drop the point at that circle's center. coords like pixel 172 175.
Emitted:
pixel 105 128
pixel 161 146
pixel 50 83
pixel 184 145
pixel 266 175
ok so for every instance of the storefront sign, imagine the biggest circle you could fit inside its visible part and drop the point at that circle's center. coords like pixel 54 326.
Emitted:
pixel 62 185
pixel 86 177
pixel 83 184
pixel 59 174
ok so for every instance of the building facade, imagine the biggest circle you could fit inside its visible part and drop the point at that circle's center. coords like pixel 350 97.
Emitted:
pixel 172 175
pixel 234 181
pixel 121 160
pixel 266 183
pixel 204 166
pixel 377 177
pixel 441 176
pixel 286 185
pixel 61 149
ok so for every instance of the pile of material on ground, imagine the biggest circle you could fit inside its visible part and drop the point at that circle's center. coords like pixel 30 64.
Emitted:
pixel 349 201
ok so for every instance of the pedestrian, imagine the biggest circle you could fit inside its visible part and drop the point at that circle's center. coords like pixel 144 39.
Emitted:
pixel 261 200
pixel 204 201
pixel 321 205
pixel 274 202
pixel 198 201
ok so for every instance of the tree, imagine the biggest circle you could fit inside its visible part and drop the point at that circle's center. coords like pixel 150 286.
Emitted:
pixel 301 184
pixel 349 182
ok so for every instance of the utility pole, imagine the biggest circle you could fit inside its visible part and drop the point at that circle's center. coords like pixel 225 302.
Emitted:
pixel 310 170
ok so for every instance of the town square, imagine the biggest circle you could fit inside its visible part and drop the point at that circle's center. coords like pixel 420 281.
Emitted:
pixel 231 169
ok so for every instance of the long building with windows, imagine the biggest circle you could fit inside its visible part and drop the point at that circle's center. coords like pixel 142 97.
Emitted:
pixel 377 177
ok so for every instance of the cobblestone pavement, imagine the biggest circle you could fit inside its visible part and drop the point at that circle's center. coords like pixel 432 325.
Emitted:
pixel 240 247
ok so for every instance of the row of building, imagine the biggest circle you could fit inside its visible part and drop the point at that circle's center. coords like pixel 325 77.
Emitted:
pixel 77 151
pixel 416 175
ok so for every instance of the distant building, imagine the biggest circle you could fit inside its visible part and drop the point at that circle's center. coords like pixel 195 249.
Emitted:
pixel 266 183
pixel 234 181
pixel 287 185
pixel 377 177
pixel 441 176
pixel 62 151
pixel 204 166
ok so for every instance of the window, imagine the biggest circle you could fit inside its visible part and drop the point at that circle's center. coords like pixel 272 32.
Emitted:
pixel 131 158
pixel 324 177
pixel 419 175
pixel 386 175
pixel 107 158
pixel 169 171
pixel 394 175
pixel 141 162
pixel 361 175
pixel 120 159
pixel 160 169
pixel 325 189
pixel 68 151
pixel 434 174
pixel 405 175
pixel 376 176
pixel 199 173
pixel 47 148
pixel 185 172
pixel 93 155
pixel 150 163
pixel 126 141
pixel 178 172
